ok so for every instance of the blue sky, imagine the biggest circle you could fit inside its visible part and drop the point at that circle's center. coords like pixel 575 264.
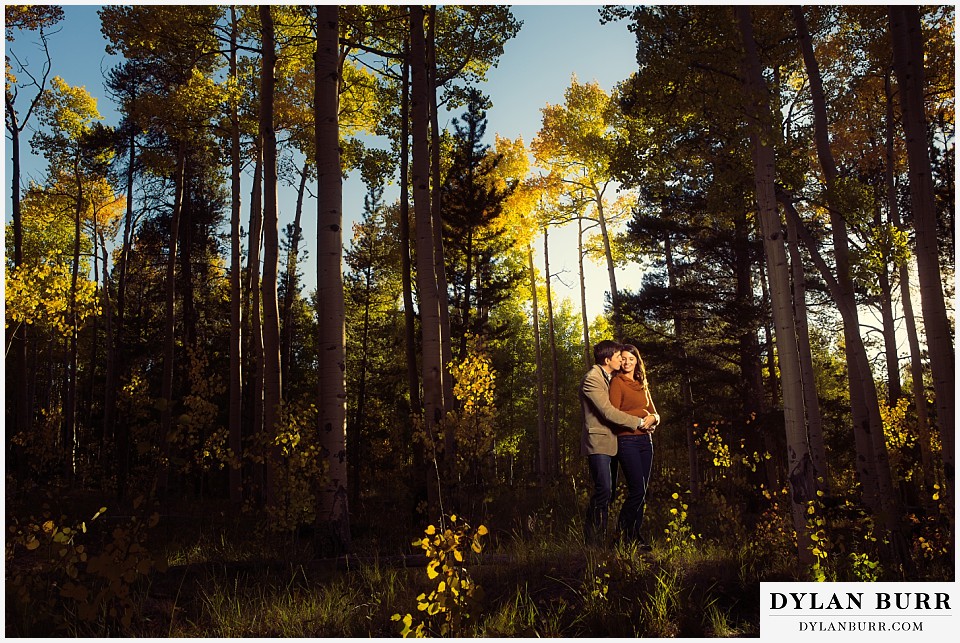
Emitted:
pixel 554 43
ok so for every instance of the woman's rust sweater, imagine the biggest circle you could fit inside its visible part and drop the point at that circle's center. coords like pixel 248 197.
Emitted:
pixel 632 397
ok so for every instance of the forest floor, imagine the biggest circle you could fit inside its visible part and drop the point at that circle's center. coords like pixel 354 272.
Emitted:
pixel 221 577
pixel 203 569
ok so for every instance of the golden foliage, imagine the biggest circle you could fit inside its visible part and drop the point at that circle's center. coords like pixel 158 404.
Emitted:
pixel 454 598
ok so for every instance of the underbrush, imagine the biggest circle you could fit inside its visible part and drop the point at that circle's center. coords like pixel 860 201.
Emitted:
pixel 206 572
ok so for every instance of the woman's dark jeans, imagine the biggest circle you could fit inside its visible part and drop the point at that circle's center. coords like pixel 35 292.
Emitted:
pixel 635 455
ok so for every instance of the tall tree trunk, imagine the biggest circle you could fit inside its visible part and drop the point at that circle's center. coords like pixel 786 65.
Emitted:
pixel 754 399
pixel 908 64
pixel 169 324
pixel 863 391
pixel 611 273
pixel 17 365
pixel 426 259
pixel 189 309
pixel 94 359
pixel 418 481
pixel 333 513
pixel 587 356
pixel 543 451
pixel 413 379
pixel 121 433
pixel 773 382
pixel 757 105
pixel 14 128
pixel 467 293
pixel 70 398
pixel 254 327
pixel 818 449
pixel 553 433
pixel 271 254
pixel 107 314
pixel 291 285
pixel 867 424
pixel 355 428
pixel 916 361
pixel 889 507
pixel 17 370
pixel 446 349
pixel 888 324
pixel 686 385
pixel 236 347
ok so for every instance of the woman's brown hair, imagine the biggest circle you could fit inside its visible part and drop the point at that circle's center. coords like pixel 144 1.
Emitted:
pixel 641 369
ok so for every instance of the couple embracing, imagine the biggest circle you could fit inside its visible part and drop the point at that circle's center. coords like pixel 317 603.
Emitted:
pixel 619 419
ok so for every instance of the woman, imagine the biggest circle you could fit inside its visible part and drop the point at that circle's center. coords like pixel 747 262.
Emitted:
pixel 629 392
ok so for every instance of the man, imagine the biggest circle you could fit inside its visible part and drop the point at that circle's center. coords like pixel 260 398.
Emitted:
pixel 598 441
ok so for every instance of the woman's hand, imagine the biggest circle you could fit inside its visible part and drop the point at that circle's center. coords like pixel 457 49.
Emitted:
pixel 648 423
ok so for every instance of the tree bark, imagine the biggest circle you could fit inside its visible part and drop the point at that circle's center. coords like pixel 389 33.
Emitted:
pixel 906 298
pixel 254 326
pixel 70 400
pixel 888 324
pixel 757 105
pixel 426 259
pixel 418 481
pixel 291 285
pixel 755 402
pixel 867 424
pixel 236 355
pixel 552 434
pixel 611 273
pixel 436 209
pixel 818 449
pixel 271 255
pixel 543 452
pixel 121 433
pixel 109 343
pixel 587 357
pixel 863 391
pixel 169 325
pixel 686 386
pixel 413 379
pixel 355 429
pixel 333 513
pixel 908 59
pixel 22 414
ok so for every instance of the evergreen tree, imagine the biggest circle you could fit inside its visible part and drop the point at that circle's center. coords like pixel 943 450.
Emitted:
pixel 480 270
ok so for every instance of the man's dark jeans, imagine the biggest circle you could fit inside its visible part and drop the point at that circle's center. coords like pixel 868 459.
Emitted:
pixel 635 454
pixel 603 473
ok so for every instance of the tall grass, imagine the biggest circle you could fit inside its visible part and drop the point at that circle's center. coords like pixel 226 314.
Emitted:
pixel 538 580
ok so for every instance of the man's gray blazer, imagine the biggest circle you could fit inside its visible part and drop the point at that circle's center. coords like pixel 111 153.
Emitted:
pixel 600 417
